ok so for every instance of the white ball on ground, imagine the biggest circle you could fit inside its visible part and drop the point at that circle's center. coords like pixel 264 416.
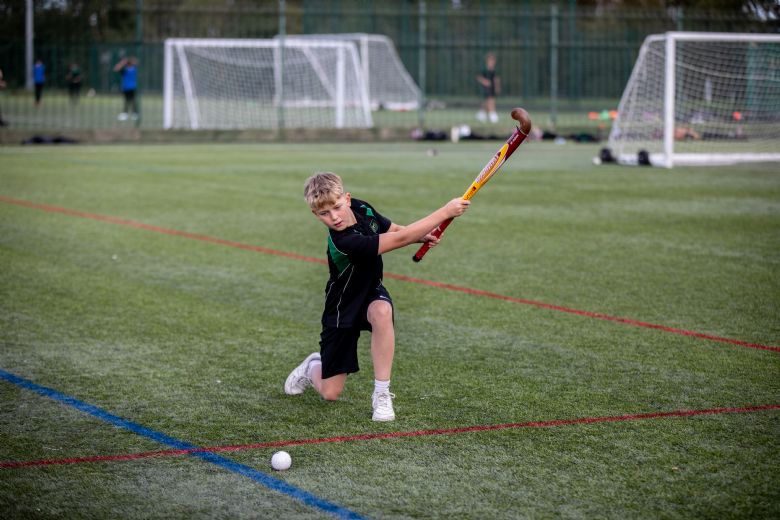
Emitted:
pixel 597 160
pixel 281 461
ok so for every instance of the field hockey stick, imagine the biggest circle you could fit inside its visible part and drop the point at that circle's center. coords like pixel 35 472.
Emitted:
pixel 515 140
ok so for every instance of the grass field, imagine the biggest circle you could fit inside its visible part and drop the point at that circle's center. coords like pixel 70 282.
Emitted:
pixel 587 342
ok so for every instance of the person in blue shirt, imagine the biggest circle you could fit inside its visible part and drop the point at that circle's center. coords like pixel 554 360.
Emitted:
pixel 128 68
pixel 39 78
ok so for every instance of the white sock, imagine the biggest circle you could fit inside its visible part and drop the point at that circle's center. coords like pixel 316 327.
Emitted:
pixel 381 386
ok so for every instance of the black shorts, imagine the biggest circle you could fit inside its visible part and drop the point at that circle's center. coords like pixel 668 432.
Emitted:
pixel 338 346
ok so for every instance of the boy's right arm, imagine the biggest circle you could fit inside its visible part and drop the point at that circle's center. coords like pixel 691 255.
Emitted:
pixel 415 232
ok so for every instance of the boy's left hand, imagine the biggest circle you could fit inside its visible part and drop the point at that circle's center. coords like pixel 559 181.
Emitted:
pixel 431 238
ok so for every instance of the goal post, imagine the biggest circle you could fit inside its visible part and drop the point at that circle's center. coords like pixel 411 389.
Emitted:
pixel 699 99
pixel 389 84
pixel 263 83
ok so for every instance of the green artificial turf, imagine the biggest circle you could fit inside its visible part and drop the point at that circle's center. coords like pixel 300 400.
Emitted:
pixel 193 338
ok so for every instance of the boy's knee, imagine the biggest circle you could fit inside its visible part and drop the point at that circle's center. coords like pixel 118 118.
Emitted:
pixel 382 312
pixel 330 395
pixel 330 388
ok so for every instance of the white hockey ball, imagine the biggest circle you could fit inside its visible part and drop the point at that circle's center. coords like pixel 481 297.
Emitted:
pixel 281 461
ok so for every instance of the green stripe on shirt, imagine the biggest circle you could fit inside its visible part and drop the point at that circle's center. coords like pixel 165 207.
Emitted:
pixel 340 259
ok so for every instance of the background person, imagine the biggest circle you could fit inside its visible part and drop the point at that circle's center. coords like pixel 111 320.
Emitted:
pixel 491 87
pixel 73 77
pixel 128 68
pixel 2 86
pixel 39 79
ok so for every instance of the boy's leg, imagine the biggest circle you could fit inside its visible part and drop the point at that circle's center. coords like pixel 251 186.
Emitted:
pixel 380 316
pixel 330 388
pixel 309 373
pixel 300 379
pixel 338 351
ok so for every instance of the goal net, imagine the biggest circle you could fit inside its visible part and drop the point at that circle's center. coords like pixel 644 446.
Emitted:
pixel 273 83
pixel 701 98
pixel 390 86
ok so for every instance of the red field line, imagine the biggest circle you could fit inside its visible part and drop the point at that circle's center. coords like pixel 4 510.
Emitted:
pixel 430 283
pixel 156 229
pixel 393 435
pixel 589 314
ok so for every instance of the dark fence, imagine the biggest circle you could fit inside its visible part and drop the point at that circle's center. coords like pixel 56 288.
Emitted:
pixel 559 59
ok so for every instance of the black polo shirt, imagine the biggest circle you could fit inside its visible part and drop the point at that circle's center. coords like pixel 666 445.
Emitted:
pixel 355 267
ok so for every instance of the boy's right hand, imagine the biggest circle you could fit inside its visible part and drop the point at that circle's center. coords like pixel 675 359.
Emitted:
pixel 456 207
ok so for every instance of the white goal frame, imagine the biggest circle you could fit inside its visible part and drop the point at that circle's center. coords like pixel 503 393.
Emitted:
pixel 668 156
pixel 391 88
pixel 174 56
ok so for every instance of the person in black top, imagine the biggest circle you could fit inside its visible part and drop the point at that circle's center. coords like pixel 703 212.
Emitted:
pixel 491 87
pixel 74 82
pixel 355 299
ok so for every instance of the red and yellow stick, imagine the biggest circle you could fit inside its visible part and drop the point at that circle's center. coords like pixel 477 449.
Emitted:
pixel 515 140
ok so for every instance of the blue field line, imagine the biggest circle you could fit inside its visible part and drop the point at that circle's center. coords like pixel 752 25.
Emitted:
pixel 218 460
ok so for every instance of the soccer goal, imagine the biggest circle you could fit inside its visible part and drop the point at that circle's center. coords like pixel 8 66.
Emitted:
pixel 390 86
pixel 699 99
pixel 272 83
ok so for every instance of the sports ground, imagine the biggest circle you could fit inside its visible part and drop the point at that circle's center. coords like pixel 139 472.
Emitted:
pixel 586 342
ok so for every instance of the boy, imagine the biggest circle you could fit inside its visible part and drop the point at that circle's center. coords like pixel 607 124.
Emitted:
pixel 355 298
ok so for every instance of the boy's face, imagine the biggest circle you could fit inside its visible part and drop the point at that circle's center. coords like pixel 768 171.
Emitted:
pixel 337 216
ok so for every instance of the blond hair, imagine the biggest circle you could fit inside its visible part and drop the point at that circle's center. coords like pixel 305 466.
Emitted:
pixel 322 188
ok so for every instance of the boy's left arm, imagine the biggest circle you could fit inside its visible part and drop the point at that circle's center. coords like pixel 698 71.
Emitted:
pixel 430 237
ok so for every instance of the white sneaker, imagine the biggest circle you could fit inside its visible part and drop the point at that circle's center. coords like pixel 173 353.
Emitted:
pixel 383 406
pixel 298 380
pixel 493 117
pixel 122 116
pixel 481 116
